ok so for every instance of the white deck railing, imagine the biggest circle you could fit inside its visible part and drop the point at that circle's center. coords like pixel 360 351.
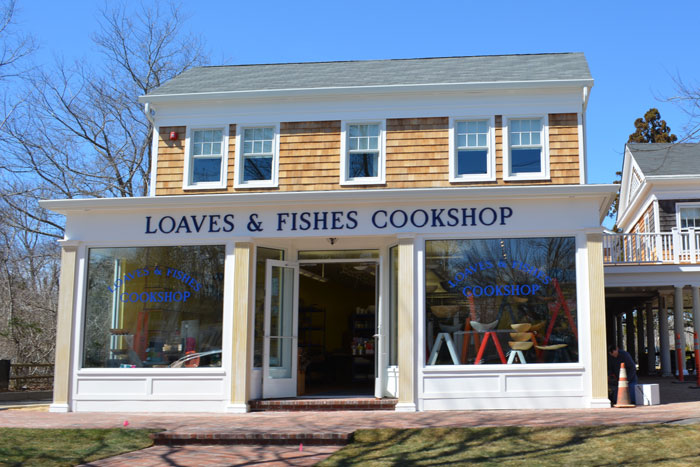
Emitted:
pixel 675 247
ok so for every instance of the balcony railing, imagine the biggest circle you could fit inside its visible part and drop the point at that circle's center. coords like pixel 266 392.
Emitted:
pixel 675 247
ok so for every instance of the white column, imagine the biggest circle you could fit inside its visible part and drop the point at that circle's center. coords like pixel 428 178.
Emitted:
pixel 696 309
pixel 640 336
pixel 619 337
pixel 678 324
pixel 651 343
pixel 663 338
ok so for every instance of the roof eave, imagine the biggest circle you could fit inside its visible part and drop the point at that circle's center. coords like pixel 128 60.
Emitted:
pixel 380 89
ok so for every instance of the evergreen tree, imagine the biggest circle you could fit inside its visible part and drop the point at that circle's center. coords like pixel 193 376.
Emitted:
pixel 651 129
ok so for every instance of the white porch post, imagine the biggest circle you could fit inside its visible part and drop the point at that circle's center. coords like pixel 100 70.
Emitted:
pixel 696 309
pixel 619 337
pixel 678 324
pixel 663 338
pixel 640 336
pixel 651 343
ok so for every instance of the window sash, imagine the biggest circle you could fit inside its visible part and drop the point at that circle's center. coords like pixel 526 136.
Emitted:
pixel 257 145
pixel 363 139
pixel 690 217
pixel 207 145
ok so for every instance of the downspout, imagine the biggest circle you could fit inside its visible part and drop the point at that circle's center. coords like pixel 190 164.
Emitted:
pixel 582 144
pixel 149 111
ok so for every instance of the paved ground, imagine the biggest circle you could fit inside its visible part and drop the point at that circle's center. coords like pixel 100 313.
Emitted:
pixel 205 456
pixel 680 404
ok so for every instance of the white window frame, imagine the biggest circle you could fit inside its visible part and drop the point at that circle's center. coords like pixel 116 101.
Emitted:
pixel 544 173
pixel 238 168
pixel 490 175
pixel 380 179
pixel 187 183
pixel 679 206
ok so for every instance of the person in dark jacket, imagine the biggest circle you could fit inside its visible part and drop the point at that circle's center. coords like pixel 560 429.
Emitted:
pixel 621 356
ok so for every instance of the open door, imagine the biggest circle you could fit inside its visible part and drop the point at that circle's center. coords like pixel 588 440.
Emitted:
pixel 280 333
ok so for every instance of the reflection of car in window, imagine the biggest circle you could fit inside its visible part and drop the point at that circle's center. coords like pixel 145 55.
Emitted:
pixel 199 359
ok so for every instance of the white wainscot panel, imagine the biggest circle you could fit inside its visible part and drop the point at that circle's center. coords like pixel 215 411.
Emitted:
pixel 461 384
pixel 544 383
pixel 137 386
pixel 189 387
pixel 147 406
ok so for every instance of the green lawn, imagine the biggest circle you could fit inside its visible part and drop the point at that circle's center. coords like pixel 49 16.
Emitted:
pixel 50 447
pixel 604 445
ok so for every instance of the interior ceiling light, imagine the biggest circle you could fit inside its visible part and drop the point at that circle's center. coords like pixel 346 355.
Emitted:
pixel 311 275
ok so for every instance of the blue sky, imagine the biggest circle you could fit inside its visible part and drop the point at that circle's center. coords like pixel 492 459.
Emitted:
pixel 634 48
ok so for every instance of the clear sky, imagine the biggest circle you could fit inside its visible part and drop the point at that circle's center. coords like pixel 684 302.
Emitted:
pixel 634 48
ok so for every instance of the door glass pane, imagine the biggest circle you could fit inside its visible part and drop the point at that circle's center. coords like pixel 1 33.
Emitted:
pixel 281 321
pixel 280 357
pixel 263 254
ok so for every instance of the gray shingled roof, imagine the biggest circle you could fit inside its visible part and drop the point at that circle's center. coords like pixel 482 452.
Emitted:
pixel 420 71
pixel 667 158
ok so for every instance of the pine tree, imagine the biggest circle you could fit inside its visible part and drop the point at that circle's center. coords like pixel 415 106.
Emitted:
pixel 651 129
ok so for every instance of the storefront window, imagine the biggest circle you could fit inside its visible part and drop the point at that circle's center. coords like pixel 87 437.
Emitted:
pixel 262 255
pixel 501 301
pixel 154 307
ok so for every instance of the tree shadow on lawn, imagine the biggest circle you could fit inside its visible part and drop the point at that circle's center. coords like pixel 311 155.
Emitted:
pixel 599 445
pixel 61 447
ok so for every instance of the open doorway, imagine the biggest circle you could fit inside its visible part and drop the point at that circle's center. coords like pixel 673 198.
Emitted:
pixel 337 322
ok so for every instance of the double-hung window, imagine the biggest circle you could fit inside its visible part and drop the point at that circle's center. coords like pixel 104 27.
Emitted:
pixel 471 156
pixel 527 150
pixel 256 156
pixel 363 154
pixel 689 217
pixel 206 159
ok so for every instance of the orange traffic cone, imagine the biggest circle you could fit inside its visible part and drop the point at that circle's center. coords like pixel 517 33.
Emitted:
pixel 623 395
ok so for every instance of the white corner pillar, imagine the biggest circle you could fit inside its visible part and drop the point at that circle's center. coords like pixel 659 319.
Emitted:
pixel 679 325
pixel 651 343
pixel 406 325
pixel 619 335
pixel 664 350
pixel 596 297
pixel 696 310
pixel 640 338
pixel 243 302
pixel 64 327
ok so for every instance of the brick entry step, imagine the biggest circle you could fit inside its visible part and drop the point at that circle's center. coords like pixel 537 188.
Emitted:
pixel 311 404
pixel 256 439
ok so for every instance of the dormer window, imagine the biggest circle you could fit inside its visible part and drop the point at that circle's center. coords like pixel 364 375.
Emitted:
pixel 527 155
pixel 206 158
pixel 362 148
pixel 256 156
pixel 471 150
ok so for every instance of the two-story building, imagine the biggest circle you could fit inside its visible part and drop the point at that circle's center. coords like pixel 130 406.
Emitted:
pixel 653 265
pixel 418 230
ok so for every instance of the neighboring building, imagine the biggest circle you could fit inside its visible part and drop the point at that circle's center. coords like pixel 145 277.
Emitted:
pixel 657 255
pixel 371 227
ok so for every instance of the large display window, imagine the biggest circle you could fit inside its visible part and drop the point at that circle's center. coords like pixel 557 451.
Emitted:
pixel 154 307
pixel 501 301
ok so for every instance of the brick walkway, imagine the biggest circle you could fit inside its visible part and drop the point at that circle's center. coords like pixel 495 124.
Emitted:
pixel 328 423
pixel 317 422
